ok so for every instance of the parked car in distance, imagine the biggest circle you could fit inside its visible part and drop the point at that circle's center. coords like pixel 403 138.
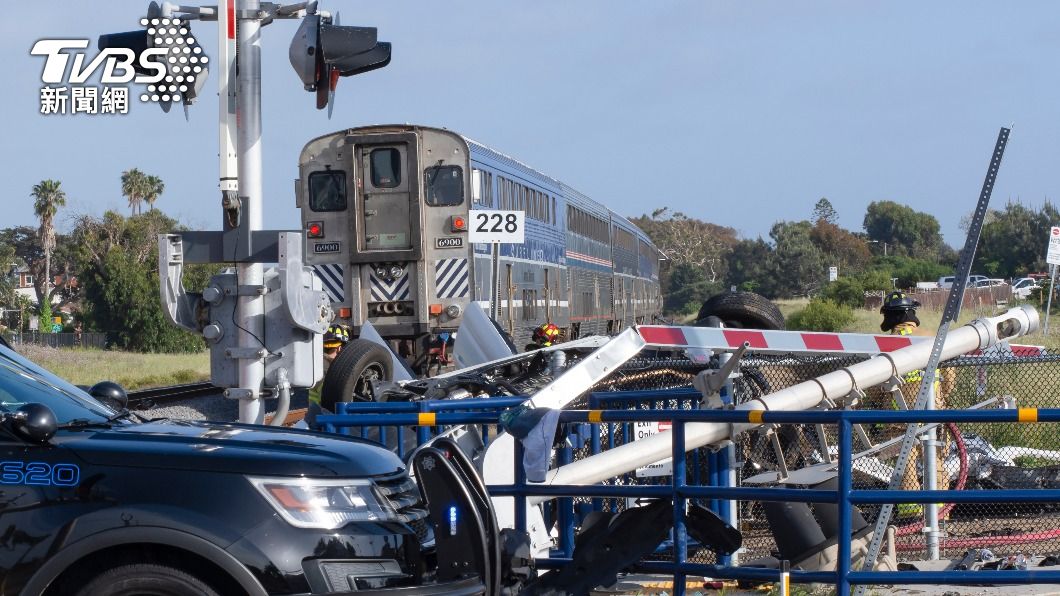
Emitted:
pixel 946 282
pixel 1022 287
pixel 987 283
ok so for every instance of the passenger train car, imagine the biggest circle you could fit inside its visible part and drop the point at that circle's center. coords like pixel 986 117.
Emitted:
pixel 386 211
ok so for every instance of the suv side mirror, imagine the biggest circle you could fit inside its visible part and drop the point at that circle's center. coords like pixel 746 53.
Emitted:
pixel 33 422
pixel 111 394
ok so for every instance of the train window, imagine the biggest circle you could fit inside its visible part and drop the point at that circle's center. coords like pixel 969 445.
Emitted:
pixel 529 305
pixel 327 190
pixel 445 185
pixel 386 168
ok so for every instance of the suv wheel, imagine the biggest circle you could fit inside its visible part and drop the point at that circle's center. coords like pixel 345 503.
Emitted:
pixel 146 578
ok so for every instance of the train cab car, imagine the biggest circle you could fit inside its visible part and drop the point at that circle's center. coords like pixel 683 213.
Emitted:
pixel 387 211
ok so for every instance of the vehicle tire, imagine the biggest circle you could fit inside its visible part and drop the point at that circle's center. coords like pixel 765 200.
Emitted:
pixel 359 362
pixel 146 578
pixel 745 310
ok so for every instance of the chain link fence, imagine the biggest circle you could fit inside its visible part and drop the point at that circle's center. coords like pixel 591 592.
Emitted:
pixel 970 456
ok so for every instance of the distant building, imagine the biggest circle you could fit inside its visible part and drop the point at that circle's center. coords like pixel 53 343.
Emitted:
pixel 24 284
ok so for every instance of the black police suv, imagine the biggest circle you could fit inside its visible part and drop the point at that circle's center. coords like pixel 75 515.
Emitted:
pixel 93 502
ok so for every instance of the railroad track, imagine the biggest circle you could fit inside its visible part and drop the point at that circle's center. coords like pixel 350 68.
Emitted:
pixel 148 398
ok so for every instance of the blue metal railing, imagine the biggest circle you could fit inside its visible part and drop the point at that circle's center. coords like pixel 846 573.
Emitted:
pixel 443 413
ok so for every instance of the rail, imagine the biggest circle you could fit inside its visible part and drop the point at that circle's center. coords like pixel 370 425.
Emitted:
pixel 147 398
pixel 424 415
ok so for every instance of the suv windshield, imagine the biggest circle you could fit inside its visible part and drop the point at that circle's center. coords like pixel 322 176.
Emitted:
pixel 23 382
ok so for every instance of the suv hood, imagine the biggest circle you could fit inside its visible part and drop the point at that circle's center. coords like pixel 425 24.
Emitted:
pixel 228 448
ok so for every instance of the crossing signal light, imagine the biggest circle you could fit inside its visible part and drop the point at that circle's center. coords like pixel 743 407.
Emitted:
pixel 180 59
pixel 322 51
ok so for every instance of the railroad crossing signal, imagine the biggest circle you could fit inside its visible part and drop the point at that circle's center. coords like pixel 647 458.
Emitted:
pixel 322 51
pixel 182 62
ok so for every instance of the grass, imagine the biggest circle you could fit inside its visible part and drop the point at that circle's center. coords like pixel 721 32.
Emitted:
pixel 83 366
pixel 868 321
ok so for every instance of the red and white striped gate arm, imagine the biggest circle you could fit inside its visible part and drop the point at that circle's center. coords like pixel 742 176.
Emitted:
pixel 785 342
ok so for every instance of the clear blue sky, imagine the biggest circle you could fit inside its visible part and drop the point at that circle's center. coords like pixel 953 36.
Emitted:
pixel 740 113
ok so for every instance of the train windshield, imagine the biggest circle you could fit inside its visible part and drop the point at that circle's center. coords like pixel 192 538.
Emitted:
pixel 445 185
pixel 327 191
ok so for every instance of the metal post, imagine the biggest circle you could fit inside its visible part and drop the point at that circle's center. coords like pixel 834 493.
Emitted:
pixel 1049 301
pixel 726 462
pixel 251 308
pixel 843 523
pixel 931 469
pixel 680 532
pixel 565 507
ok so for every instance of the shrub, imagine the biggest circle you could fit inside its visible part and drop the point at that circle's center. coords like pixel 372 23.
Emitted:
pixel 845 290
pixel 821 315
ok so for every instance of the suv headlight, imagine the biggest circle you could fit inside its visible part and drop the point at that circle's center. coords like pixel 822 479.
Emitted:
pixel 324 504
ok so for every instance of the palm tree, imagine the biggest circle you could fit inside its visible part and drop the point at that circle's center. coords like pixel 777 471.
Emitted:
pixel 153 189
pixel 134 187
pixel 48 196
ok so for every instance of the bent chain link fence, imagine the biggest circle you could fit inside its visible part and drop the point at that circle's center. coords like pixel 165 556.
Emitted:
pixel 971 456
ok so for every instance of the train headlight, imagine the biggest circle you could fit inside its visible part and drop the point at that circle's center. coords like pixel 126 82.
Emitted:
pixel 396 271
pixel 380 272
pixel 452 311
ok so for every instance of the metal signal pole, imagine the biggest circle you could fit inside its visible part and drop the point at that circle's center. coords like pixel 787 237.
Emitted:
pixel 250 309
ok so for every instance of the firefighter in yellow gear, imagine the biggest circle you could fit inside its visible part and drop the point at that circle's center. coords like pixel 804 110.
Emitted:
pixel 335 338
pixel 899 318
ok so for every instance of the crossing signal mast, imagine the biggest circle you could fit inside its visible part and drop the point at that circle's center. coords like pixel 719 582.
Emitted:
pixel 263 326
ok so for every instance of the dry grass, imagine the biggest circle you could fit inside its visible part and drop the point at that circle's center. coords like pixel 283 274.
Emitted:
pixel 131 370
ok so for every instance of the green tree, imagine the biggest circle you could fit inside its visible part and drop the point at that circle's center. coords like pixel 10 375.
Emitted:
pixel 847 290
pixel 687 240
pixel 824 211
pixel 134 187
pixel 8 263
pixel 118 270
pixel 800 265
pixel 904 230
pixel 1014 240
pixel 752 268
pixel 841 248
pixel 48 196
pixel 153 188
pixel 688 289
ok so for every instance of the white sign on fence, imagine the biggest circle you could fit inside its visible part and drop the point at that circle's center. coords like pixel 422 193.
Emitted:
pixel 1053 256
pixel 643 430
pixel 497 227
pixel 833 273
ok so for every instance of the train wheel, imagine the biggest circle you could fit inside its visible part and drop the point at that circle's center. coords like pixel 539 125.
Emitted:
pixel 357 367
pixel 743 310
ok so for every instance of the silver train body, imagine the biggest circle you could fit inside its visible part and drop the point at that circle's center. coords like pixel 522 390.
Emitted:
pixel 386 211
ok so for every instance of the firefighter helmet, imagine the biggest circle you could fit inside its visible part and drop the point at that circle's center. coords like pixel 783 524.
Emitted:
pixel 898 308
pixel 546 335
pixel 336 337
pixel 898 301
